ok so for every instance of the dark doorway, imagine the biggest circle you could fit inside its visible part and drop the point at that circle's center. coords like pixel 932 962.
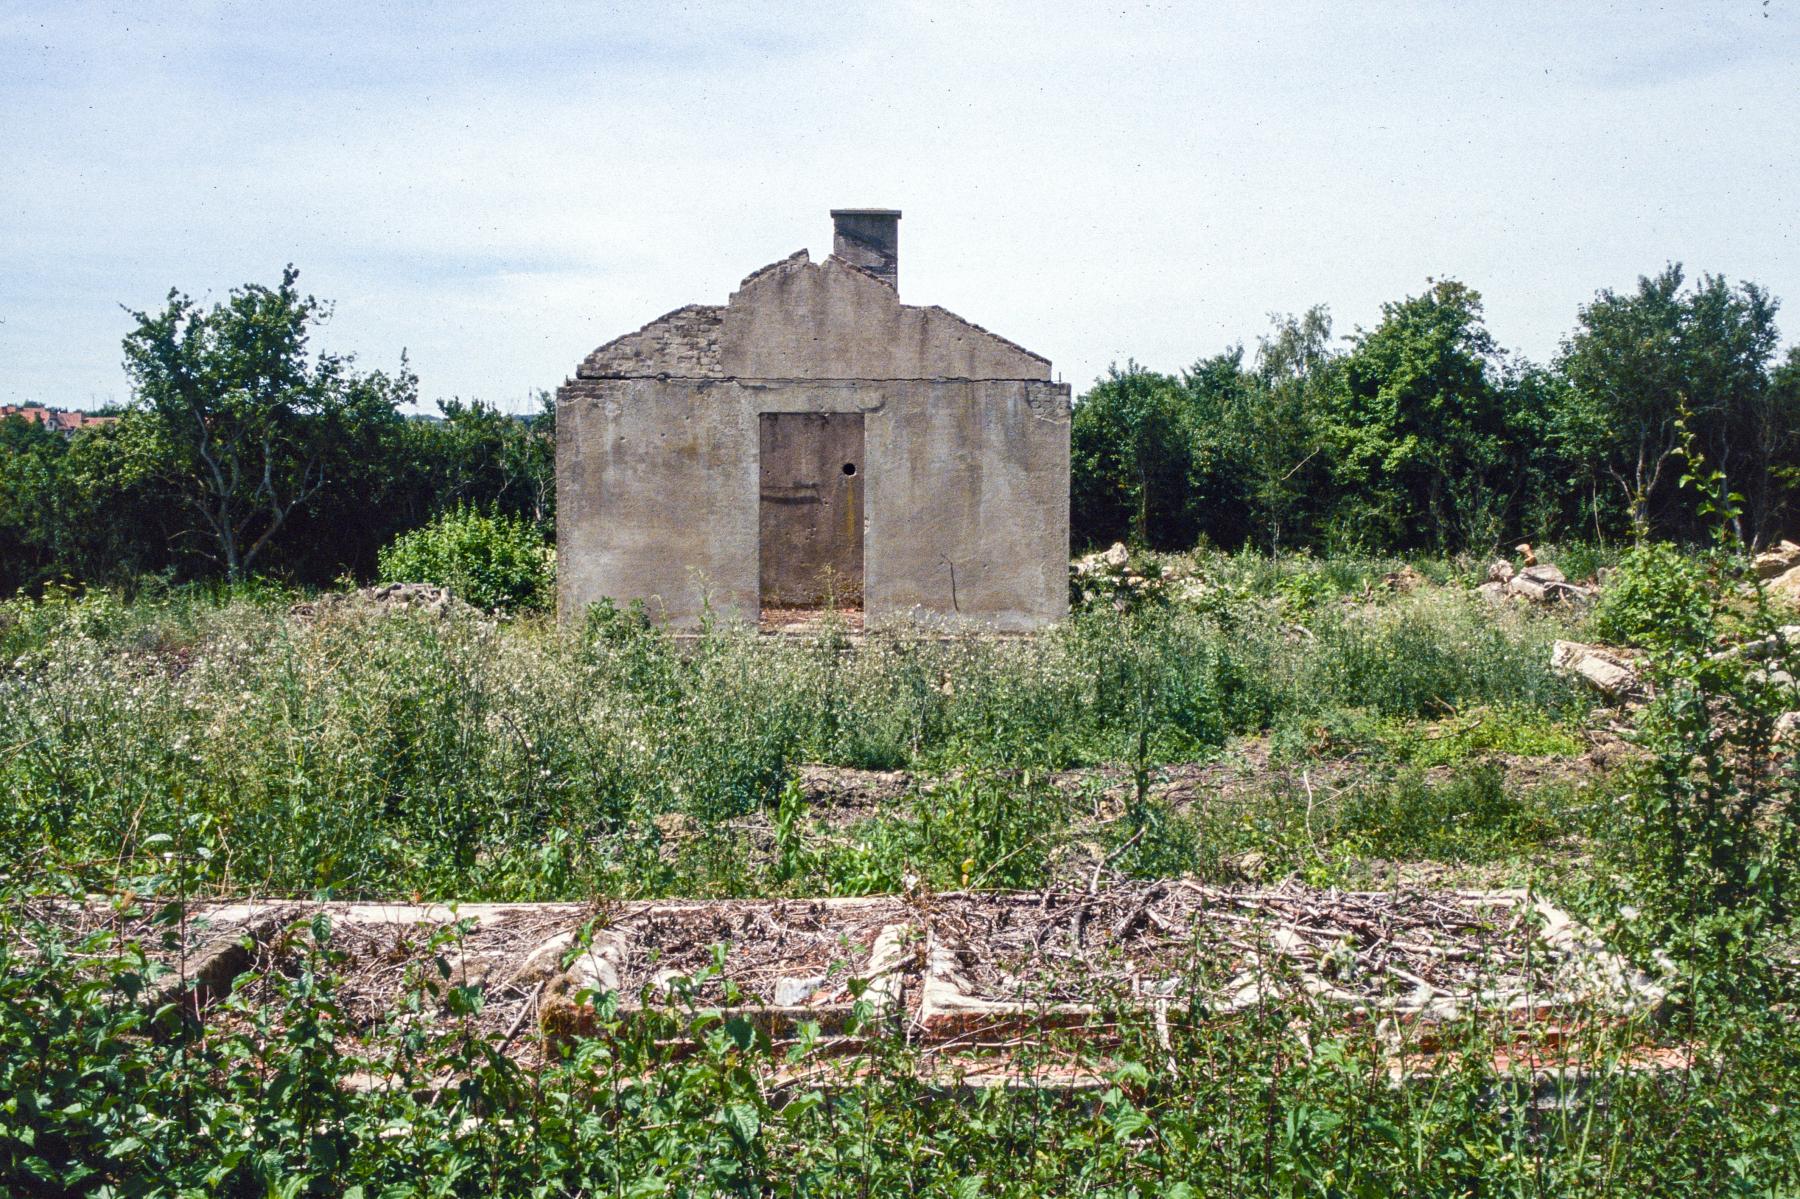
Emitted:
pixel 811 510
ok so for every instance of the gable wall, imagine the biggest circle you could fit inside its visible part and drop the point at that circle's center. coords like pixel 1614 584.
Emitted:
pixel 967 454
pixel 833 321
pixel 967 508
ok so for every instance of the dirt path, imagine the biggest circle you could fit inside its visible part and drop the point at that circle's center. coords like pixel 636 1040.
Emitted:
pixel 839 796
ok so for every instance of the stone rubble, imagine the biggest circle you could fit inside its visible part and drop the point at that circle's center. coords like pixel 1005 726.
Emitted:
pixel 1778 560
pixel 1608 671
pixel 1538 583
pixel 1107 576
pixel 1785 587
pixel 421 597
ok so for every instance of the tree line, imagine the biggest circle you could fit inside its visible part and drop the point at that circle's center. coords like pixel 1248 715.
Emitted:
pixel 245 451
pixel 1422 434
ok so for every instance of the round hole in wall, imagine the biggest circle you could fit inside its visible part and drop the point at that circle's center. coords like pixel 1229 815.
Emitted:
pixel 849 468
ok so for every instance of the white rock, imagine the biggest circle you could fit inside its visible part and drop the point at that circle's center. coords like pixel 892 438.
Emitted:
pixel 1777 560
pixel 1785 587
pixel 1603 669
pixel 1539 583
pixel 792 992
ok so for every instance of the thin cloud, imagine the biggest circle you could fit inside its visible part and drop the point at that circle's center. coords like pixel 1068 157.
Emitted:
pixel 500 188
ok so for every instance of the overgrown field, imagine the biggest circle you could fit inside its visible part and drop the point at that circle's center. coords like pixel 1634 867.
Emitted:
pixel 367 754
pixel 1343 722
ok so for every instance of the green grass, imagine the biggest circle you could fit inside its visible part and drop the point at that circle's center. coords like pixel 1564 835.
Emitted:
pixel 190 742
pixel 374 754
pixel 1279 1100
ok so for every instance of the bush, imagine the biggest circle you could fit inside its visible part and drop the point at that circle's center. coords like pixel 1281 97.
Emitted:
pixel 1657 599
pixel 1711 827
pixel 499 563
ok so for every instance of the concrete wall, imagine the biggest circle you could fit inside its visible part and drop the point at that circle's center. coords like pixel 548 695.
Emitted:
pixel 966 447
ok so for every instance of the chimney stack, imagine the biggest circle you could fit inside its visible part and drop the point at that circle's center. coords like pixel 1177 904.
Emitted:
pixel 869 238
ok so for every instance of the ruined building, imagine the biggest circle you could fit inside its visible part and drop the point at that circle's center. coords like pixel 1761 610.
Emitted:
pixel 814 441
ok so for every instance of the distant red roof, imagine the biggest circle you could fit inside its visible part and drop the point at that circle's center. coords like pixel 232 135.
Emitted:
pixel 54 418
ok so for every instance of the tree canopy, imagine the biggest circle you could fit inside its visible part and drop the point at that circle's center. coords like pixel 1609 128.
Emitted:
pixel 245 426
pixel 246 449
pixel 1423 433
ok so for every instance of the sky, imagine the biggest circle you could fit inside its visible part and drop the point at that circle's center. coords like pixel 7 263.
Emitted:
pixel 498 188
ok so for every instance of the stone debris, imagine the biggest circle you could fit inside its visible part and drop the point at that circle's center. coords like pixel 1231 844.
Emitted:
pixel 1537 582
pixel 1777 560
pixel 1544 584
pixel 418 597
pixel 1782 639
pixel 1785 587
pixel 1107 576
pixel 944 969
pixel 1777 678
pixel 1606 670
pixel 1402 581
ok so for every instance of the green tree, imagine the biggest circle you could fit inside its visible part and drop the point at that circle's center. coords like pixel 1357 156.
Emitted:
pixel 1130 457
pixel 30 485
pixel 1775 430
pixel 477 454
pixel 1219 393
pixel 1637 361
pixel 250 427
pixel 115 517
pixel 1417 424
pixel 1749 428
pixel 1278 427
pixel 1532 497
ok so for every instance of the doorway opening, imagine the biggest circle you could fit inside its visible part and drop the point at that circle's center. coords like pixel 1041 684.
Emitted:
pixel 810 519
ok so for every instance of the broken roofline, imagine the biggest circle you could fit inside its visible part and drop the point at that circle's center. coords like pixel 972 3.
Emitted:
pixel 681 325
pixel 803 258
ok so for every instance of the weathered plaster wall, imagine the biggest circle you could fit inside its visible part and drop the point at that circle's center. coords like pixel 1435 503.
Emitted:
pixel 833 321
pixel 966 503
pixel 796 319
pixel 966 445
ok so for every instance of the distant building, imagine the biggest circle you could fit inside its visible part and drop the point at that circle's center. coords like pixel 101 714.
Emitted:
pixel 55 419
pixel 814 442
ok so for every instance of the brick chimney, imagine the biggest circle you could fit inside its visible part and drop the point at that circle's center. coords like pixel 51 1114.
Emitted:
pixel 869 238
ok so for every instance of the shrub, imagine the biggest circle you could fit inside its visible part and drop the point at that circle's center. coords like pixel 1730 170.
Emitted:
pixel 1657 599
pixel 1711 829
pixel 500 563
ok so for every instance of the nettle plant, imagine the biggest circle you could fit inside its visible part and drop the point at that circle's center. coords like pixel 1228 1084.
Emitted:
pixel 1714 845
pixel 1659 597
